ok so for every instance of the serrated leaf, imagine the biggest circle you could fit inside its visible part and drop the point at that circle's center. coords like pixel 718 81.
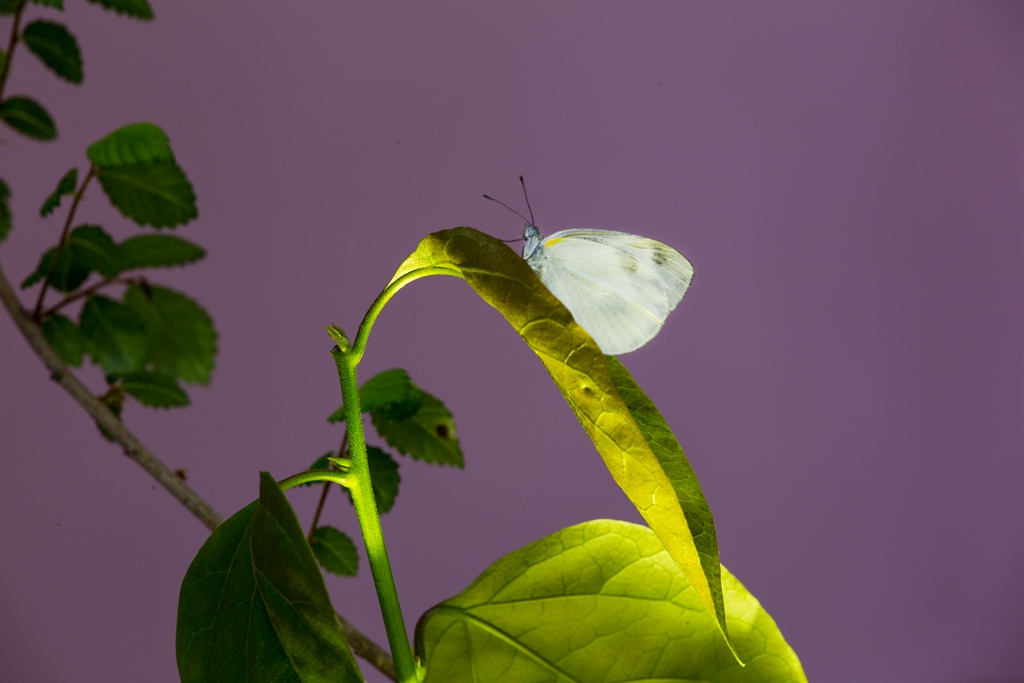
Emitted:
pixel 154 389
pixel 138 9
pixel 113 335
pixel 89 248
pixel 429 435
pixel 28 117
pixel 59 4
pixel 155 194
pixel 56 47
pixel 384 479
pixel 599 601
pixel 63 335
pixel 179 334
pixel 582 374
pixel 335 551
pixel 157 251
pixel 390 395
pixel 253 605
pixel 6 220
pixel 65 186
pixel 131 145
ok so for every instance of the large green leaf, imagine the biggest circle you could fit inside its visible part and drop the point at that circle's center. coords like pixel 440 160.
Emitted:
pixel 428 435
pixel 63 335
pixel 335 551
pixel 180 338
pixel 5 211
pixel 65 186
pixel 599 602
pixel 253 606
pixel 28 118
pixel 157 251
pixel 138 9
pixel 154 389
pixel 88 249
pixel 150 194
pixel 504 280
pixel 131 145
pixel 113 335
pixel 56 47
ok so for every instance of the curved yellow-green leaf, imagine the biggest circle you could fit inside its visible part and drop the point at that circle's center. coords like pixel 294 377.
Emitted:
pixel 598 602
pixel 657 480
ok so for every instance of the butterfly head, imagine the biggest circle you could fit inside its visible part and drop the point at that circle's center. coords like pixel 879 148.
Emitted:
pixel 533 241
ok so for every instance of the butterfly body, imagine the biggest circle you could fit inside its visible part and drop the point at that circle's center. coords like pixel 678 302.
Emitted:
pixel 619 287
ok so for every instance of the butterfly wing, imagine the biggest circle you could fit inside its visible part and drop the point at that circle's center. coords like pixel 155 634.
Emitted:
pixel 619 287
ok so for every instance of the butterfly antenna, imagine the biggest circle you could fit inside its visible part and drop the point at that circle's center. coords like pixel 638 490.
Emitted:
pixel 527 198
pixel 486 196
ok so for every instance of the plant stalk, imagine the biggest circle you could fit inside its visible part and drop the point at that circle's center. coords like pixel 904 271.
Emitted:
pixel 369 520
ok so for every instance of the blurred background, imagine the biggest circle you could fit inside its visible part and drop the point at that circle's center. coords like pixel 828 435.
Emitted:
pixel 846 373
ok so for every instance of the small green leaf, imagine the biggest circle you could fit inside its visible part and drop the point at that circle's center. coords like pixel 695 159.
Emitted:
pixel 28 118
pixel 65 186
pixel 59 4
pixel 56 47
pixel 253 605
pixel 157 251
pixel 384 479
pixel 390 395
pixel 179 334
pixel 6 220
pixel 89 248
pixel 138 9
pixel 9 6
pixel 156 194
pixel 63 335
pixel 337 416
pixel 113 335
pixel 154 389
pixel 574 361
pixel 335 551
pixel 428 435
pixel 599 601
pixel 131 145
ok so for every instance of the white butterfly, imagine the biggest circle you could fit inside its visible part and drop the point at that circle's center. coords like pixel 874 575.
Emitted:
pixel 619 287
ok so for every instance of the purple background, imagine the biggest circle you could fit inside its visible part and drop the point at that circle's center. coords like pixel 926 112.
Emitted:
pixel 845 373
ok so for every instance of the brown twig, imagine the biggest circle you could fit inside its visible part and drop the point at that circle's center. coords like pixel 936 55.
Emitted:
pixel 11 42
pixel 135 450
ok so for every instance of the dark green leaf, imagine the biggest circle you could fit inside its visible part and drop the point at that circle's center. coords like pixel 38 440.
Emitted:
pixel 65 186
pixel 89 248
pixel 337 416
pixel 335 551
pixel 63 335
pixel 253 605
pixel 55 45
pixel 5 211
pixel 155 194
pixel 154 389
pixel 599 601
pixel 154 251
pixel 28 118
pixel 139 9
pixel 9 6
pixel 428 435
pixel 390 395
pixel 113 336
pixel 179 334
pixel 59 4
pixel 131 145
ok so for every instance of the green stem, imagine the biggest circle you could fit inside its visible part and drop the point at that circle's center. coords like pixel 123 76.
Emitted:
pixel 369 519
pixel 371 315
